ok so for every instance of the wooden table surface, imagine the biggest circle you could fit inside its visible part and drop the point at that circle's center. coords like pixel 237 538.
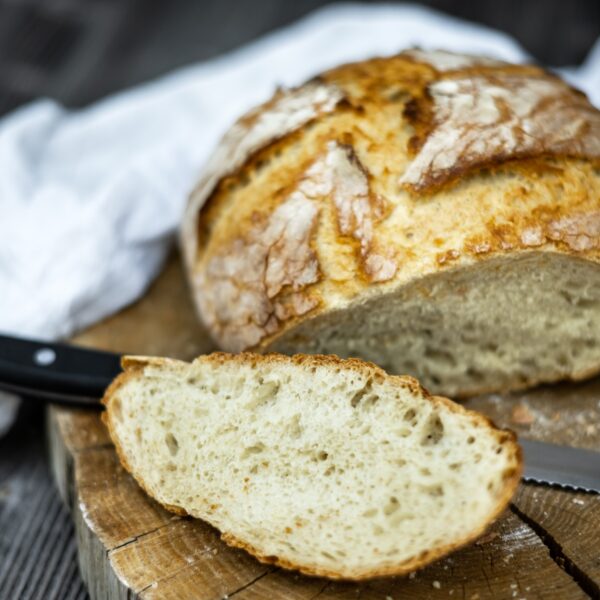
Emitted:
pixel 546 545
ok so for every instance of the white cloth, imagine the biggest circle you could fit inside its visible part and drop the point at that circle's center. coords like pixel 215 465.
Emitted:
pixel 90 198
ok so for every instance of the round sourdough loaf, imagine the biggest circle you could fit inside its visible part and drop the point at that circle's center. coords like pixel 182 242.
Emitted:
pixel 435 213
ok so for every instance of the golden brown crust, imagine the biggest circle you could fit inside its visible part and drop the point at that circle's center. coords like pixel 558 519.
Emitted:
pixel 373 236
pixel 505 438
pixel 284 113
pixel 480 120
pixel 243 284
pixel 254 282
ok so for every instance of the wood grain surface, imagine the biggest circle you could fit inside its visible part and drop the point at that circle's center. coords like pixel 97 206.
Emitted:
pixel 547 545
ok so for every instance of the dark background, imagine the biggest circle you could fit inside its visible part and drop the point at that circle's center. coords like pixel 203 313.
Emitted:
pixel 79 50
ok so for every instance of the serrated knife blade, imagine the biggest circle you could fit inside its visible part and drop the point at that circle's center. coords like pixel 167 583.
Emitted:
pixel 564 466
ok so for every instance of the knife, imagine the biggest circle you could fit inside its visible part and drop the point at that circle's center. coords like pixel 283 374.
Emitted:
pixel 71 375
pixel 561 465
pixel 55 372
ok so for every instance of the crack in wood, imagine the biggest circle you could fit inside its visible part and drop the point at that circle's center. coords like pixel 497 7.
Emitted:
pixel 555 550
pixel 101 446
pixel 140 536
pixel 247 585
pixel 185 567
pixel 323 588
pixel 487 580
pixel 178 571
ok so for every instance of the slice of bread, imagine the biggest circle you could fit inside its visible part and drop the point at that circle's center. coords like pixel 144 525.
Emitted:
pixel 314 463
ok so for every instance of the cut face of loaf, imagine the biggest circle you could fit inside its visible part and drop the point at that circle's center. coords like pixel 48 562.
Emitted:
pixel 324 465
pixel 505 324
pixel 435 213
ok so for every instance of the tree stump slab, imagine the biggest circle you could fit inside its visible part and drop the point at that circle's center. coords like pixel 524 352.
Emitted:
pixel 546 545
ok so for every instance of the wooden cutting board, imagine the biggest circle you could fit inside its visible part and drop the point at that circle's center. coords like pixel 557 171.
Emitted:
pixel 546 545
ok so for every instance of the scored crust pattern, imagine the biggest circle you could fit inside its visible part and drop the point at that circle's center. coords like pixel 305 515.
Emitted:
pixel 498 117
pixel 286 112
pixel 242 284
pixel 341 177
pixel 277 262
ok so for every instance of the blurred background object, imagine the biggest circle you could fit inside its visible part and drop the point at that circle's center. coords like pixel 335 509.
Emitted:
pixel 9 405
pixel 76 51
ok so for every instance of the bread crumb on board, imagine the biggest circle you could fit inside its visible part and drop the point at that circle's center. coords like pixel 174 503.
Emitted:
pixel 521 415
pixel 485 539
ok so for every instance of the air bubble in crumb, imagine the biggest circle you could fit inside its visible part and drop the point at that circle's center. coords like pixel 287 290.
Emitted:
pixel 172 443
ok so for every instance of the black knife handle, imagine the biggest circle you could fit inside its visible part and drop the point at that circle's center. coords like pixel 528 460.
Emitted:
pixel 56 371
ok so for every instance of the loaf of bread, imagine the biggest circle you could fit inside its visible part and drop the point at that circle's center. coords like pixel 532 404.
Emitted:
pixel 324 465
pixel 435 213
